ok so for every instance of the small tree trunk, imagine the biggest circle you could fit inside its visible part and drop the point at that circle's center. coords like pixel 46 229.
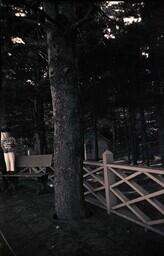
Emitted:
pixel 2 107
pixel 144 138
pixel 127 133
pixel 133 135
pixel 96 149
pixel 114 136
pixel 39 125
pixel 161 132
pixel 3 52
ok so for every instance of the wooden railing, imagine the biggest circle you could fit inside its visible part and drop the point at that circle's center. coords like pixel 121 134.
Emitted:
pixel 134 193
pixel 94 185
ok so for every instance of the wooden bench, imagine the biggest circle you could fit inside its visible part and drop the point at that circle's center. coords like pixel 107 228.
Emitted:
pixel 34 166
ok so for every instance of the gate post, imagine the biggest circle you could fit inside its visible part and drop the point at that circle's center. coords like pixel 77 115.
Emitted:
pixel 109 178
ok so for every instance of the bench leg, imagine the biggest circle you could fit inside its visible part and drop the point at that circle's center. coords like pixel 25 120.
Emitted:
pixel 14 181
pixel 43 184
pixel 5 183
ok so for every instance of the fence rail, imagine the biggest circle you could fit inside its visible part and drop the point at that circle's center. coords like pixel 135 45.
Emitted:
pixel 134 193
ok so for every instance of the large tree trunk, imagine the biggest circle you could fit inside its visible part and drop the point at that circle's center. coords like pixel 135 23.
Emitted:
pixel 68 148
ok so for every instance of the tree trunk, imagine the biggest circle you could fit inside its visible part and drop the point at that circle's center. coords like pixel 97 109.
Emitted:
pixel 39 125
pixel 127 133
pixel 161 133
pixel 3 48
pixel 114 136
pixel 38 112
pixel 2 107
pixel 68 146
pixel 96 147
pixel 145 153
pixel 134 146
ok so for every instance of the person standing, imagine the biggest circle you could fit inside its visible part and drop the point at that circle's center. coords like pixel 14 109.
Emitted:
pixel 8 145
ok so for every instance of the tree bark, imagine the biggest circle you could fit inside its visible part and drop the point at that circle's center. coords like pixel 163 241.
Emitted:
pixel 2 106
pixel 39 125
pixel 134 146
pixel 114 135
pixel 161 132
pixel 68 147
pixel 127 132
pixel 145 153
pixel 96 147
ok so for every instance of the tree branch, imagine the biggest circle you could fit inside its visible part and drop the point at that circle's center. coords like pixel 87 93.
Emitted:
pixel 42 13
pixel 84 19
pixel 104 14
pixel 45 25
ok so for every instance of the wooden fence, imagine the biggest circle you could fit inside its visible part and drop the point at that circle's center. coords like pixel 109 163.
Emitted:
pixel 134 193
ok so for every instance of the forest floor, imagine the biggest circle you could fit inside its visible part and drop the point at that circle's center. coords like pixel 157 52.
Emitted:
pixel 26 221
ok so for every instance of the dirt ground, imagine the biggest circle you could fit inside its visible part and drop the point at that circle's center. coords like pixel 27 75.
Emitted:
pixel 26 221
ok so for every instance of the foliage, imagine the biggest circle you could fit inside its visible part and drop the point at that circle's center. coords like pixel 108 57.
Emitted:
pixel 120 49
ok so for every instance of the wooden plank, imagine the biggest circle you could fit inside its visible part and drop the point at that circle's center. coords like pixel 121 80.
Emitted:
pixel 24 170
pixel 125 177
pixel 97 178
pixel 92 163
pixel 89 172
pixel 120 196
pixel 51 168
pixel 142 216
pixel 96 190
pixel 145 195
pixel 159 206
pixel 125 216
pixel 34 161
pixel 93 201
pixel 134 168
pixel 39 170
pixel 156 222
pixel 140 190
pixel 98 196
pixel 138 213
pixel 161 178
pixel 159 181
